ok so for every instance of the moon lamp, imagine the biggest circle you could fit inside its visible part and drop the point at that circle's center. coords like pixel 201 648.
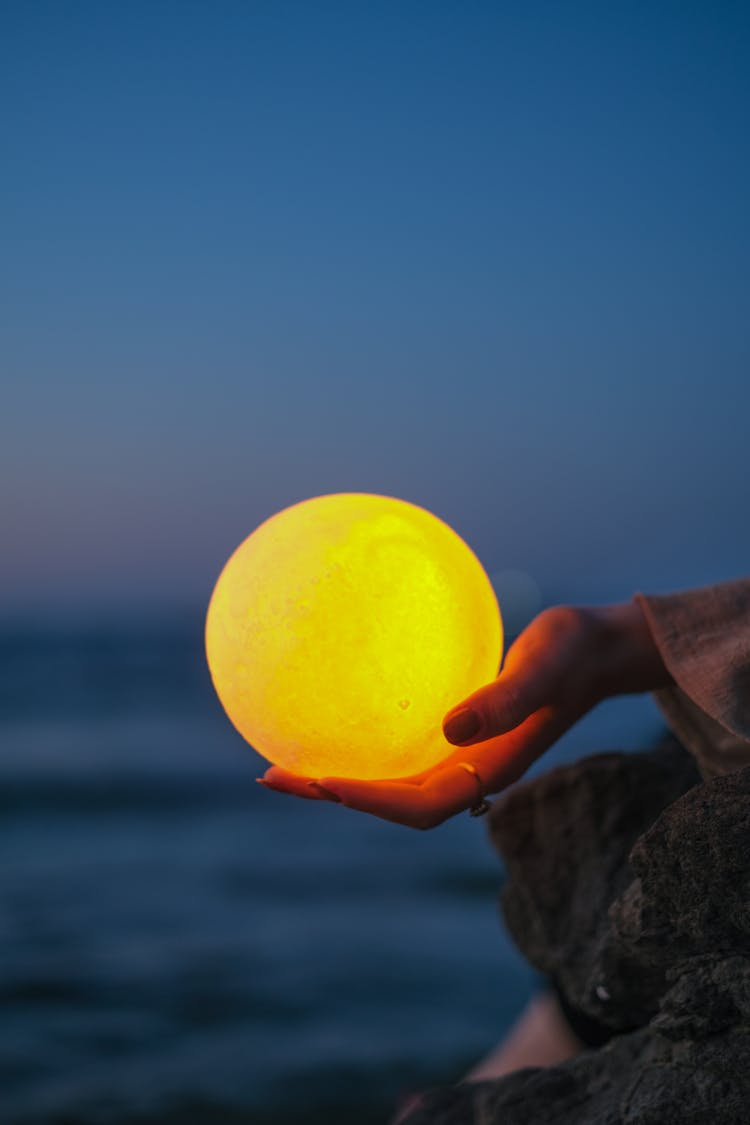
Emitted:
pixel 341 631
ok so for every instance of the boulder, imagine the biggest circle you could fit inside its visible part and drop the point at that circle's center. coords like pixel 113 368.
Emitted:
pixel 629 884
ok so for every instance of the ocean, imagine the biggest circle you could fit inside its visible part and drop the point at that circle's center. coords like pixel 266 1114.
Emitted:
pixel 182 946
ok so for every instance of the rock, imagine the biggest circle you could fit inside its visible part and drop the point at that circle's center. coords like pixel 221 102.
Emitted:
pixel 691 894
pixel 629 881
pixel 565 839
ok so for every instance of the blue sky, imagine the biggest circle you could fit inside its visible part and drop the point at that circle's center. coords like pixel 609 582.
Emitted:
pixel 492 258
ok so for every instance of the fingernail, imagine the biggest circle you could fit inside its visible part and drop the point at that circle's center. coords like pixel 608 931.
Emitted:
pixel 327 793
pixel 267 784
pixel 462 726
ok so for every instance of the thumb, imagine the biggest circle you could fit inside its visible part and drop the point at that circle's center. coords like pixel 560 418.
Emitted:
pixel 497 708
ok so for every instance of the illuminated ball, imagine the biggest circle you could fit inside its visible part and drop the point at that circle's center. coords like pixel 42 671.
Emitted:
pixel 341 631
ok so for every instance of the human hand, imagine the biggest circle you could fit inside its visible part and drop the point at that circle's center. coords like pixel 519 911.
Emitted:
pixel 560 667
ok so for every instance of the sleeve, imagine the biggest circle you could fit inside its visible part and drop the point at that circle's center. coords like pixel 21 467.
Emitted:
pixel 704 639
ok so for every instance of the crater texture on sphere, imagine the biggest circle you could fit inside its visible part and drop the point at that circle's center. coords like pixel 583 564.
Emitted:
pixel 341 631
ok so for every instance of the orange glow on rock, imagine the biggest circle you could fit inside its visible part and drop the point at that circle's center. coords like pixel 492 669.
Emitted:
pixel 341 631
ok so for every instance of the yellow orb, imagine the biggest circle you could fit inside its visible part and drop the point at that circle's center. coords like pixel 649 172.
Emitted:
pixel 341 631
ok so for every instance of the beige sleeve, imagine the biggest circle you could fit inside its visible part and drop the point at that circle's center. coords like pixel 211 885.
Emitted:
pixel 704 639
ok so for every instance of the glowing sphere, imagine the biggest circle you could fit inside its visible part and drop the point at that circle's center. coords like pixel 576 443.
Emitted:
pixel 341 631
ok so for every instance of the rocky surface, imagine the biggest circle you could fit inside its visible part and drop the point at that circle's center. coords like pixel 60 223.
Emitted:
pixel 629 882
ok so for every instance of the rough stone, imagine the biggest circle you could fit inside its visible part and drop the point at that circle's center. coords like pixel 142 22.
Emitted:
pixel 565 839
pixel 629 882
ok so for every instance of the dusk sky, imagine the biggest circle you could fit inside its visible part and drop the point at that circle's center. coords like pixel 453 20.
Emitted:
pixel 493 258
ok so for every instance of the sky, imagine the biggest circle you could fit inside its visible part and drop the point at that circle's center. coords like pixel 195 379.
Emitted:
pixel 489 257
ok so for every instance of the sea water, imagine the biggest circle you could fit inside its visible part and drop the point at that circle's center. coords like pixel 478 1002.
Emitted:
pixel 179 945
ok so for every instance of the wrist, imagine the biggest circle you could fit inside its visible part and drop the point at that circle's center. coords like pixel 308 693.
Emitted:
pixel 630 659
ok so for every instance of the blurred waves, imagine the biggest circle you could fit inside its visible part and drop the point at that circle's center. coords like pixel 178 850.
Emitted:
pixel 179 945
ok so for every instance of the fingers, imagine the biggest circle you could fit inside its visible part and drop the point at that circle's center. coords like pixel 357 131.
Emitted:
pixel 496 708
pixel 285 782
pixel 549 652
pixel 403 802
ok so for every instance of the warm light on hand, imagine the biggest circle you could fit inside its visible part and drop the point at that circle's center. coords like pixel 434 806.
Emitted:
pixel 341 631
